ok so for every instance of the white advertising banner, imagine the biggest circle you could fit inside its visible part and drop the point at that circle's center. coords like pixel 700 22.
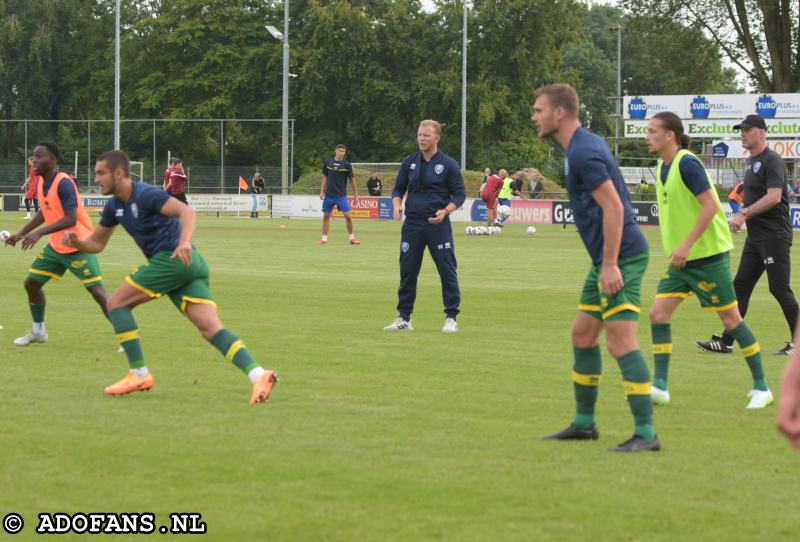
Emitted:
pixel 714 106
pixel 709 129
pixel 224 202
pixel 296 206
pixel 786 148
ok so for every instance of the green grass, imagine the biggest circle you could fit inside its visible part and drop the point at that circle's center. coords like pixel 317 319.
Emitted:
pixel 375 436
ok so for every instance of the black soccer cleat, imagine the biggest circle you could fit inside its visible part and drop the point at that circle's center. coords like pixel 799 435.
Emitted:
pixel 787 350
pixel 715 345
pixel 573 432
pixel 638 444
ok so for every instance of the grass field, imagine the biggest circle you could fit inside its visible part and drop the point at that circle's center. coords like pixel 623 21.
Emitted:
pixel 376 436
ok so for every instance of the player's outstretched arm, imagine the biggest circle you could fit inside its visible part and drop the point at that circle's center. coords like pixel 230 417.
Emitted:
pixel 30 238
pixel 92 244
pixel 322 187
pixel 184 213
pixel 613 215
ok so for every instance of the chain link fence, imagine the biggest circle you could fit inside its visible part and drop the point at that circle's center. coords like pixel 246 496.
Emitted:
pixel 215 152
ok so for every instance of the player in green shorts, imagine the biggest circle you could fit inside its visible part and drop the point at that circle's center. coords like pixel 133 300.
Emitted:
pixel 62 212
pixel 611 294
pixel 162 228
pixel 697 241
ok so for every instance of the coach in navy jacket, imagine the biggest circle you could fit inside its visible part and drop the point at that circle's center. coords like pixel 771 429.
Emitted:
pixel 435 189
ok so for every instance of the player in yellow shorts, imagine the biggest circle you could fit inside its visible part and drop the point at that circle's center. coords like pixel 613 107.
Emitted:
pixel 697 241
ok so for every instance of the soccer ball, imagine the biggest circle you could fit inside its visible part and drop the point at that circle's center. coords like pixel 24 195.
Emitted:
pixel 504 211
pixel 468 230
pixel 531 230
pixel 498 230
pixel 4 235
pixel 482 230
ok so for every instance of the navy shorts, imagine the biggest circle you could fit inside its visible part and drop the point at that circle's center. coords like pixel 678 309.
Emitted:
pixel 340 203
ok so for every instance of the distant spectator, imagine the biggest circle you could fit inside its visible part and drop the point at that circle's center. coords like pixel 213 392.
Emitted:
pixel 374 185
pixel 31 189
pixel 257 187
pixel 795 191
pixel 535 188
pixel 516 184
pixel 175 184
pixel 736 197
pixel 643 186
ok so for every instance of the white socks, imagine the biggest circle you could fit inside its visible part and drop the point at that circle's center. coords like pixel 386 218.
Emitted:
pixel 324 237
pixel 255 374
pixel 38 328
pixel 352 236
pixel 141 372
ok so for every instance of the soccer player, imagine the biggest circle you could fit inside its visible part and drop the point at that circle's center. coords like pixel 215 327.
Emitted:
pixel 491 188
pixel 768 245
pixel 176 183
pixel 610 298
pixel 63 213
pixel 333 192
pixel 30 187
pixel 697 242
pixel 435 189
pixel 162 227
pixel 504 196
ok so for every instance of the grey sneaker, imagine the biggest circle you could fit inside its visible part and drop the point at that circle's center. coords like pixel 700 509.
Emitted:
pixel 31 337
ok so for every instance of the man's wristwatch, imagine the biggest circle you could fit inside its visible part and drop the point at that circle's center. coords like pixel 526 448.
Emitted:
pixel 745 211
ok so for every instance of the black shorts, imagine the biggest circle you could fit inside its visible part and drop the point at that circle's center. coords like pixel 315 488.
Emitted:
pixel 180 197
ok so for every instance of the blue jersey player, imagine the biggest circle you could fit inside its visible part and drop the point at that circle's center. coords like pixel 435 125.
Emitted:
pixel 336 172
pixel 435 189
pixel 162 227
pixel 611 294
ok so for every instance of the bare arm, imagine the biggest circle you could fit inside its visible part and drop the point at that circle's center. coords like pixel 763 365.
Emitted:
pixel 770 200
pixel 322 186
pixel 93 244
pixel 184 213
pixel 355 189
pixel 680 255
pixel 613 215
pixel 788 419
pixel 69 219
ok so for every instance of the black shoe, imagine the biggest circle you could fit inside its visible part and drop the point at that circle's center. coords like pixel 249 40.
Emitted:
pixel 573 432
pixel 715 345
pixel 638 444
pixel 787 350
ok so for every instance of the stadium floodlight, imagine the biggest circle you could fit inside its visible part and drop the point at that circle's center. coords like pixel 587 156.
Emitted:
pixel 274 32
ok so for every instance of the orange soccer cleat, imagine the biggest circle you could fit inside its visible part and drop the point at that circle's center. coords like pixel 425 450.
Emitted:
pixel 355 241
pixel 129 384
pixel 263 386
pixel 321 242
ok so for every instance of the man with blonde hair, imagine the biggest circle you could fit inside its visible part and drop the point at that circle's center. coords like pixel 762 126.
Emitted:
pixel 435 189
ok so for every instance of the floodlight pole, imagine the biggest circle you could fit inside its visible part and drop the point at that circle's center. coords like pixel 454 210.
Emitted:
pixel 116 78
pixel 464 91
pixel 285 118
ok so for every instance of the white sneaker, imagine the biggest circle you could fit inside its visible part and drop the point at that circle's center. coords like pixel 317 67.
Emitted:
pixel 450 326
pixel 27 217
pixel 399 325
pixel 120 349
pixel 759 399
pixel 31 337
pixel 659 396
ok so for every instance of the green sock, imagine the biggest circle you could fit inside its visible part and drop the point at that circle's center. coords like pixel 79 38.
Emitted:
pixel 128 335
pixel 37 312
pixel 233 348
pixel 586 377
pixel 636 379
pixel 662 349
pixel 752 354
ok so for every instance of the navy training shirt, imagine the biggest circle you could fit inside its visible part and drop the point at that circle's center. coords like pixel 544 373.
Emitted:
pixel 338 173
pixel 142 219
pixel 692 172
pixel 430 185
pixel 588 164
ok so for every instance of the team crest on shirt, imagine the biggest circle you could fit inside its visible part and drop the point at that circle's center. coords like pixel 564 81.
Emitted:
pixel 413 166
pixel 438 169
pixel 404 246
pixel 135 210
pixel 120 212
pixel 756 167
